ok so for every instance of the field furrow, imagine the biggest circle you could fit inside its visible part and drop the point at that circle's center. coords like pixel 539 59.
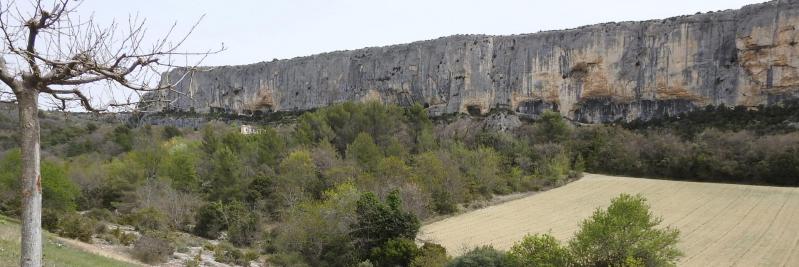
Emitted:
pixel 720 224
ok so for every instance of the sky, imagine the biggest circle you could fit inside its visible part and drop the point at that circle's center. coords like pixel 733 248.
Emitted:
pixel 261 30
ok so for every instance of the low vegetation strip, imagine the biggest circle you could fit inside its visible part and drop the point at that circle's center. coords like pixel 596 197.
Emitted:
pixel 58 252
pixel 720 224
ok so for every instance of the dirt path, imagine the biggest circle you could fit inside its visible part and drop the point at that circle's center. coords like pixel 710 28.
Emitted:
pixel 720 224
pixel 108 252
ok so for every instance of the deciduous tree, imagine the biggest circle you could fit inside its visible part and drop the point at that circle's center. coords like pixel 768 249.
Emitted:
pixel 52 52
pixel 625 232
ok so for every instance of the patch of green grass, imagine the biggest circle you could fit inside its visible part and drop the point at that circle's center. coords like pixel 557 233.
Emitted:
pixel 55 253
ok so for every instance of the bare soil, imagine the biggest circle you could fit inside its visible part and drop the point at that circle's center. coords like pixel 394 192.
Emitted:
pixel 720 224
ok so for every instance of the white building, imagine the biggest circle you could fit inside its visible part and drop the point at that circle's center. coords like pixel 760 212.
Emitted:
pixel 248 129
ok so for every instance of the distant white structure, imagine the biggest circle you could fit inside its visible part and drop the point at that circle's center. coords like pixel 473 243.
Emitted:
pixel 249 129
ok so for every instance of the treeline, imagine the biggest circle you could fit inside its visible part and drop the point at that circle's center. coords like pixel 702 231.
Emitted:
pixel 711 155
pixel 752 145
pixel 320 183
pixel 694 150
pixel 778 118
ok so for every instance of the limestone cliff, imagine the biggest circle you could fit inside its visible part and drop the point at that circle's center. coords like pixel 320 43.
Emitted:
pixel 595 73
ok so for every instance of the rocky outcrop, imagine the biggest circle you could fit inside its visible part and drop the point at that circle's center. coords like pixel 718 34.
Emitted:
pixel 598 73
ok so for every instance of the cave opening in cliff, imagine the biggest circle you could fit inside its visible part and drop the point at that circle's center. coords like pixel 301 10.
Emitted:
pixel 474 110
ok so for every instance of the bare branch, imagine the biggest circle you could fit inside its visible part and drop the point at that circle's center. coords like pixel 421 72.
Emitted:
pixel 7 78
pixel 61 51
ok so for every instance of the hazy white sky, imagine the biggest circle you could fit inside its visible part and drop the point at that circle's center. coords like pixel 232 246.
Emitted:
pixel 255 31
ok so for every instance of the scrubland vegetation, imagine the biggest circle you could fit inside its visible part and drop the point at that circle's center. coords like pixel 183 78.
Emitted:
pixel 347 184
pixel 57 253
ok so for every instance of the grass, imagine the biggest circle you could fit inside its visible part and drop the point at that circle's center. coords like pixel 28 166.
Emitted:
pixel 56 254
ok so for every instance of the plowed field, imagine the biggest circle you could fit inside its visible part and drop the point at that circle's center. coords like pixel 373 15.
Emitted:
pixel 720 224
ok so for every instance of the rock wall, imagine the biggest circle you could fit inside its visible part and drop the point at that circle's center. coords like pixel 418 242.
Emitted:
pixel 598 73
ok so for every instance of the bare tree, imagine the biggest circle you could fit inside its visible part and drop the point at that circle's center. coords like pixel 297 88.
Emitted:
pixel 49 51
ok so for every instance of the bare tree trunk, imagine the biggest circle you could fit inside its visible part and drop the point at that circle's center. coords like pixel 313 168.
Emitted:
pixel 31 180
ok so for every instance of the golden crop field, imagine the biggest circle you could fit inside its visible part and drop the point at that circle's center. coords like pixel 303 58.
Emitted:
pixel 720 224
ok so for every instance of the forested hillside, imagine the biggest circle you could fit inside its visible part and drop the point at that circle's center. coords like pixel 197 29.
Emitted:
pixel 313 191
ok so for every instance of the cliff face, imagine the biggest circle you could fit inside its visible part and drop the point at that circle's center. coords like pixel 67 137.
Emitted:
pixel 595 73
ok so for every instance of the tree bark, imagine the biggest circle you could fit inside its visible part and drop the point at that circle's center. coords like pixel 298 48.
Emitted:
pixel 31 180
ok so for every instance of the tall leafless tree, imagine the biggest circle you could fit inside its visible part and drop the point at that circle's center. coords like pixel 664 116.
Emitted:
pixel 49 52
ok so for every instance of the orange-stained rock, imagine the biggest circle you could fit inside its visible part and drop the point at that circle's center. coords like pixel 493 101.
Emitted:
pixel 597 73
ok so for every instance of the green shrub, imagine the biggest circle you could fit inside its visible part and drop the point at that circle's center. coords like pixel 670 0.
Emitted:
pixel 210 220
pixel 364 151
pixel 91 127
pixel 171 131
pixel 224 181
pixel 624 231
pixel 147 219
pixel 443 203
pixel 196 261
pixel 782 168
pixel 551 127
pixel 539 250
pixel 77 148
pixel 122 237
pixel 123 136
pixel 153 249
pixel 320 231
pixel 75 226
pixel 380 222
pixel 100 214
pixel 59 193
pixel 50 220
pixel 485 256
pixel 227 253
pixel 262 193
pixel 243 226
pixel 395 252
pixel 288 259
pixel 551 161
pixel 430 255
pixel 270 146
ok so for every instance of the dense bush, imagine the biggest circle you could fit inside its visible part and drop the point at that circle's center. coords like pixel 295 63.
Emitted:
pixel 380 222
pixel 147 219
pixel 59 193
pixel 171 131
pixel 624 232
pixel 242 226
pixel 540 250
pixel 319 231
pixel 153 249
pixel 123 137
pixel 288 259
pixel 210 220
pixel 394 252
pixel 485 256
pixel 227 253
pixel 430 255
pixel 341 123
pixel 75 226
pixel 118 236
